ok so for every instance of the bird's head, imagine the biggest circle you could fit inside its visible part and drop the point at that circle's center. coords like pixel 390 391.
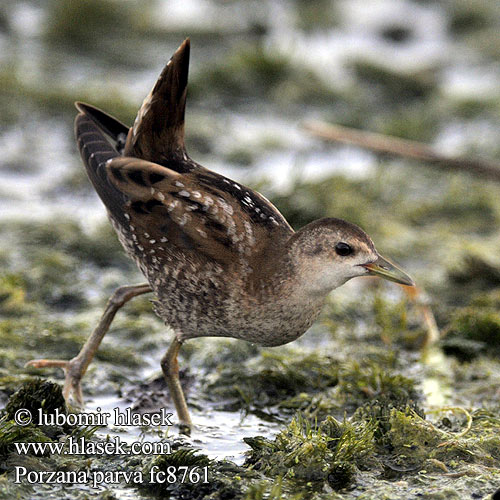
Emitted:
pixel 328 252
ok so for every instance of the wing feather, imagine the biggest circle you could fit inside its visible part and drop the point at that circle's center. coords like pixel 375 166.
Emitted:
pixel 187 214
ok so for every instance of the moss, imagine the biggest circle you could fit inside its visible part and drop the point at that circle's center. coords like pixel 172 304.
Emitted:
pixel 311 16
pixel 410 440
pixel 100 246
pixel 391 318
pixel 221 484
pixel 459 204
pixel 240 156
pixel 13 295
pixel 313 456
pixel 272 379
pixel 271 491
pixel 417 123
pixel 378 384
pixel 247 67
pixel 475 269
pixel 35 395
pixel 472 332
pixel 471 107
pixel 11 433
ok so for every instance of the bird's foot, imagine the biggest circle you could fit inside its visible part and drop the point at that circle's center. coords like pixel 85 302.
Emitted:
pixel 73 370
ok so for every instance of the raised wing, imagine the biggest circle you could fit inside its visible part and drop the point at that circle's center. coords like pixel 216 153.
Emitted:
pixel 201 212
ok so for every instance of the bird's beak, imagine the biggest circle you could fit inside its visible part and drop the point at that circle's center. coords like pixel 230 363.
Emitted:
pixel 382 267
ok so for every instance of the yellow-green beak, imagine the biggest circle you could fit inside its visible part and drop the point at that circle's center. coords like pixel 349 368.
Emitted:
pixel 385 269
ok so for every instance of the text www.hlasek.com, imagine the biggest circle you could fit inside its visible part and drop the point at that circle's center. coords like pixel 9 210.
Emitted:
pixel 111 446
pixel 83 447
pixel 96 478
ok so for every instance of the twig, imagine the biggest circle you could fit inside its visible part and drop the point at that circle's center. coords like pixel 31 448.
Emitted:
pixel 405 148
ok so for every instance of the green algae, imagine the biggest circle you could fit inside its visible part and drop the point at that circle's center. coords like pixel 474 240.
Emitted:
pixel 313 455
pixel 36 395
pixel 473 332
pixel 272 379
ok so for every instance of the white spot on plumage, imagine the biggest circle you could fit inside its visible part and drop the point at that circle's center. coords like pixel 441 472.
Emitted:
pixel 160 196
pixel 207 202
pixel 173 205
pixel 163 239
pixel 179 184
pixel 226 207
pixel 184 219
pixel 184 193
pixel 152 242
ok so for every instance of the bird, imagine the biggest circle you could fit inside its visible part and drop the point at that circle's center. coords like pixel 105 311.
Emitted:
pixel 220 259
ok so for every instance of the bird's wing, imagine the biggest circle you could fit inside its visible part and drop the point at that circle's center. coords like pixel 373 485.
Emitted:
pixel 114 129
pixel 201 212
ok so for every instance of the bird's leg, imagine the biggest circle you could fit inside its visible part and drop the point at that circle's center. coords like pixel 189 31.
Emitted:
pixel 76 367
pixel 170 368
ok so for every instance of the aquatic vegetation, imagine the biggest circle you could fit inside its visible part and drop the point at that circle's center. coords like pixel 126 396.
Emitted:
pixel 35 395
pixel 473 331
pixel 271 379
pixel 312 455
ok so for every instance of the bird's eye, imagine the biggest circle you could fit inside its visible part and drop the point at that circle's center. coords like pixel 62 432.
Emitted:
pixel 343 249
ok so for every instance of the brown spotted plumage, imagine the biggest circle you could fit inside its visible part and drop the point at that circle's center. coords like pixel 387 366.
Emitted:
pixel 219 257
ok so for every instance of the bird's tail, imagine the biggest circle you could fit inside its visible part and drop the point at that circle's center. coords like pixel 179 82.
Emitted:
pixel 158 131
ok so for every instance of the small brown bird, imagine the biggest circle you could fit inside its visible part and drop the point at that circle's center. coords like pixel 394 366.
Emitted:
pixel 220 259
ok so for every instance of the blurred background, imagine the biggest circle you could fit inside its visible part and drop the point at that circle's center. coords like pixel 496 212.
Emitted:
pixel 425 70
pixel 422 70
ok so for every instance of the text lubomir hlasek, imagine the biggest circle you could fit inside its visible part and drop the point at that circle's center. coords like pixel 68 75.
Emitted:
pixel 119 417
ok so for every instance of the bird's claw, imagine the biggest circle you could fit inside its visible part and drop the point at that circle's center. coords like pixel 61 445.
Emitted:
pixel 73 376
